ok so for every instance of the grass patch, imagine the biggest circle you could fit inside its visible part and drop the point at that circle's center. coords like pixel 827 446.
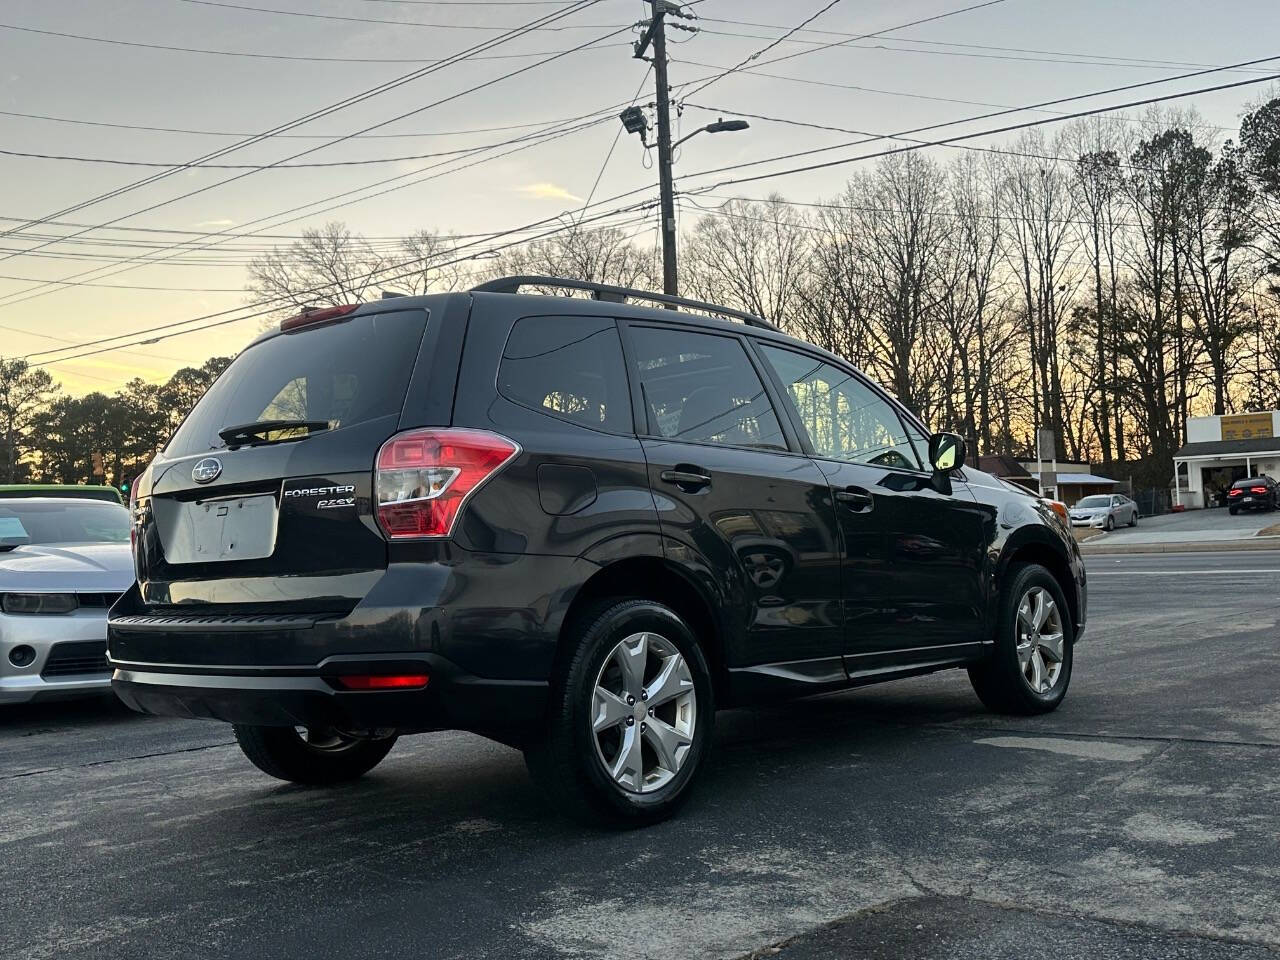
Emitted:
pixel 1088 533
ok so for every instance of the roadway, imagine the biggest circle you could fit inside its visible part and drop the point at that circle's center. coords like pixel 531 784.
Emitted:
pixel 1138 821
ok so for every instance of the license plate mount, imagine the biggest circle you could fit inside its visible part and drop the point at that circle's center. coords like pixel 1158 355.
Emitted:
pixel 219 530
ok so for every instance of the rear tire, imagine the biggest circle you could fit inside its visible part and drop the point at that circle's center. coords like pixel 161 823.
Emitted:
pixel 324 757
pixel 1028 672
pixel 1134 521
pixel 1233 510
pixel 607 752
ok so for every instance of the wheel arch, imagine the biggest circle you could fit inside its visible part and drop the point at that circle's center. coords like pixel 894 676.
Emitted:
pixel 1041 550
pixel 654 578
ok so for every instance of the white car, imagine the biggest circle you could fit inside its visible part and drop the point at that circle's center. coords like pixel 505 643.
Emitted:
pixel 63 563
pixel 1104 510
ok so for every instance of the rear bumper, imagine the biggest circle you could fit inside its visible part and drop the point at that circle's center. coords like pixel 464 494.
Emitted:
pixel 451 700
pixel 484 627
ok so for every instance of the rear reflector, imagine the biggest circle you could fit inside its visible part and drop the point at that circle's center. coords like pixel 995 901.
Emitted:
pixel 308 317
pixel 423 477
pixel 395 681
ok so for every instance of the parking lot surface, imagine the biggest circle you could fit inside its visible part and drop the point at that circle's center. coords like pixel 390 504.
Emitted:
pixel 1140 820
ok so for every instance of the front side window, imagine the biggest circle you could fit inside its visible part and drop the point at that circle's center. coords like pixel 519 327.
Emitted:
pixel 570 368
pixel 844 418
pixel 702 388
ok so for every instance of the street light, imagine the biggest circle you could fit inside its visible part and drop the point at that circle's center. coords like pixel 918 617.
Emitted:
pixel 720 126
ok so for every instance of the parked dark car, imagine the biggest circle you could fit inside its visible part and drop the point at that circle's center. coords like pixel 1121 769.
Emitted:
pixel 576 526
pixel 1253 493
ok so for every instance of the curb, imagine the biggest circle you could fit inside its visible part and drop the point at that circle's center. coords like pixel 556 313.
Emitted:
pixel 1190 546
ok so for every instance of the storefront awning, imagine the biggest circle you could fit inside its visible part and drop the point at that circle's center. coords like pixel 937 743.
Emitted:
pixel 1254 446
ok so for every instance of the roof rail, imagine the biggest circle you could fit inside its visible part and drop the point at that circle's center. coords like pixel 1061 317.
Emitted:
pixel 604 291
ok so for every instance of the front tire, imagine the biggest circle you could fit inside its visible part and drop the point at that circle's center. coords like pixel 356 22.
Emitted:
pixel 631 717
pixel 317 757
pixel 1030 669
pixel 1110 524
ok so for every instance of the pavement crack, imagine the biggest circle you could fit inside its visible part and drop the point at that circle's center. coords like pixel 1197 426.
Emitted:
pixel 111 760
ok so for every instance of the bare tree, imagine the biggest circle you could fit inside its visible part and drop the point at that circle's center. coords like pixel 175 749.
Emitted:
pixel 599 255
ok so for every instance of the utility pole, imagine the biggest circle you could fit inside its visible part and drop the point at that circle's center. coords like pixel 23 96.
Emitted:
pixel 634 121
pixel 657 35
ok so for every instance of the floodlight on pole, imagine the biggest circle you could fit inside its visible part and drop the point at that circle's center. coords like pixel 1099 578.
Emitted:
pixel 720 126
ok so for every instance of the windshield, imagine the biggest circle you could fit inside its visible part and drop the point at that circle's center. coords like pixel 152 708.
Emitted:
pixel 61 521
pixel 1094 502
pixel 338 374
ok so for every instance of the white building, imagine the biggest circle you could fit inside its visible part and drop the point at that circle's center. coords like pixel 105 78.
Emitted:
pixel 1222 450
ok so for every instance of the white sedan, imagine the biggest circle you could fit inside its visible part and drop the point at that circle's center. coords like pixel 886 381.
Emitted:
pixel 62 564
pixel 1107 511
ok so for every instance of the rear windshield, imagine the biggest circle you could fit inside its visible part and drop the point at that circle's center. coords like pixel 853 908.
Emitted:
pixel 343 373
pixel 1258 482
pixel 60 521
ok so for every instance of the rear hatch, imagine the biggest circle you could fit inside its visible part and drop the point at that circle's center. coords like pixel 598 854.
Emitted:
pixel 261 502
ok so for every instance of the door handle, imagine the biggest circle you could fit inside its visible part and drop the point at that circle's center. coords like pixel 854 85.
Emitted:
pixel 857 499
pixel 689 479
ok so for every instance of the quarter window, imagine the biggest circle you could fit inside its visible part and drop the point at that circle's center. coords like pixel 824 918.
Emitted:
pixel 702 388
pixel 568 367
pixel 844 418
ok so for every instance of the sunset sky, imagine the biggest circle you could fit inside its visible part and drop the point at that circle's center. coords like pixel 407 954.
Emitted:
pixel 911 77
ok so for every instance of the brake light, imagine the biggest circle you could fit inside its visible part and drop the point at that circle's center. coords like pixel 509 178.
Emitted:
pixel 423 477
pixel 317 315
pixel 1235 493
pixel 398 681
pixel 1257 489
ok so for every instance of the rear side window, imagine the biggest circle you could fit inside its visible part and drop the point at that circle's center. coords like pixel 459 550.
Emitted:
pixel 345 373
pixel 570 368
pixel 702 388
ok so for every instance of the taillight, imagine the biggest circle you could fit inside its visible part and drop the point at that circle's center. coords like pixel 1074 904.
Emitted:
pixel 423 477
pixel 1257 489
pixel 134 518
pixel 1235 493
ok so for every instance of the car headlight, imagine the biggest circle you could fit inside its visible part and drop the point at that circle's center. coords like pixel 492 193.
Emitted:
pixel 38 602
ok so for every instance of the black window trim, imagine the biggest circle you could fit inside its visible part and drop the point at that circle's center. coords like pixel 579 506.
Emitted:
pixel 794 447
pixel 803 433
pixel 617 326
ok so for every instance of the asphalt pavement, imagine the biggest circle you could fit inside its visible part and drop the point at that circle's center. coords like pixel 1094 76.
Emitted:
pixel 900 821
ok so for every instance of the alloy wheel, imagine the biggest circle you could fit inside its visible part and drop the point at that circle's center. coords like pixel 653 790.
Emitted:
pixel 644 712
pixel 1040 640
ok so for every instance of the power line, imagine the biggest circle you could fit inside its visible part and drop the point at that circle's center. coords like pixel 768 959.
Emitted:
pixel 171 48
pixel 968 136
pixel 137 261
pixel 1067 59
pixel 765 49
pixel 575 7
pixel 274 306
pixel 614 146
pixel 748 65
pixel 394 23
pixel 1005 112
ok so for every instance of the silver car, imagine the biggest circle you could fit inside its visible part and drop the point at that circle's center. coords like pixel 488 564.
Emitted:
pixel 62 564
pixel 1105 510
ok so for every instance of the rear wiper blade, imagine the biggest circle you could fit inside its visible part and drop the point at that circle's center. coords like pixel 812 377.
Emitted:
pixel 256 432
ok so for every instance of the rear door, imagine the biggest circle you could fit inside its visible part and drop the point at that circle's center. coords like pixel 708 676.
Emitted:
pixel 913 557
pixel 738 500
pixel 284 520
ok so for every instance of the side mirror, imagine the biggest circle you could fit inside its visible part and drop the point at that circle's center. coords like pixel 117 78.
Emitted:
pixel 946 452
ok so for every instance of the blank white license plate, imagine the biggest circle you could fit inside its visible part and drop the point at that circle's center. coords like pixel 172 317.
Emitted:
pixel 237 528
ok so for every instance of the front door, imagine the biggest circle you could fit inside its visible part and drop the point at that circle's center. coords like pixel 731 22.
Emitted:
pixel 914 556
pixel 735 500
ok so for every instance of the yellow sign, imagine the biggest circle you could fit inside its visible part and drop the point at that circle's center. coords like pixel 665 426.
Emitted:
pixel 1242 426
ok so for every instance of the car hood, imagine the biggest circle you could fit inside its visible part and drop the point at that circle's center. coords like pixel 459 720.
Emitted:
pixel 84 567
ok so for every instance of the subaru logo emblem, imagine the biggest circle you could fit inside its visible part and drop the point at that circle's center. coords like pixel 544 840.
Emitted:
pixel 206 470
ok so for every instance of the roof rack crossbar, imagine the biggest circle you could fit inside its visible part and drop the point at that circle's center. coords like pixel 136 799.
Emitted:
pixel 612 294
